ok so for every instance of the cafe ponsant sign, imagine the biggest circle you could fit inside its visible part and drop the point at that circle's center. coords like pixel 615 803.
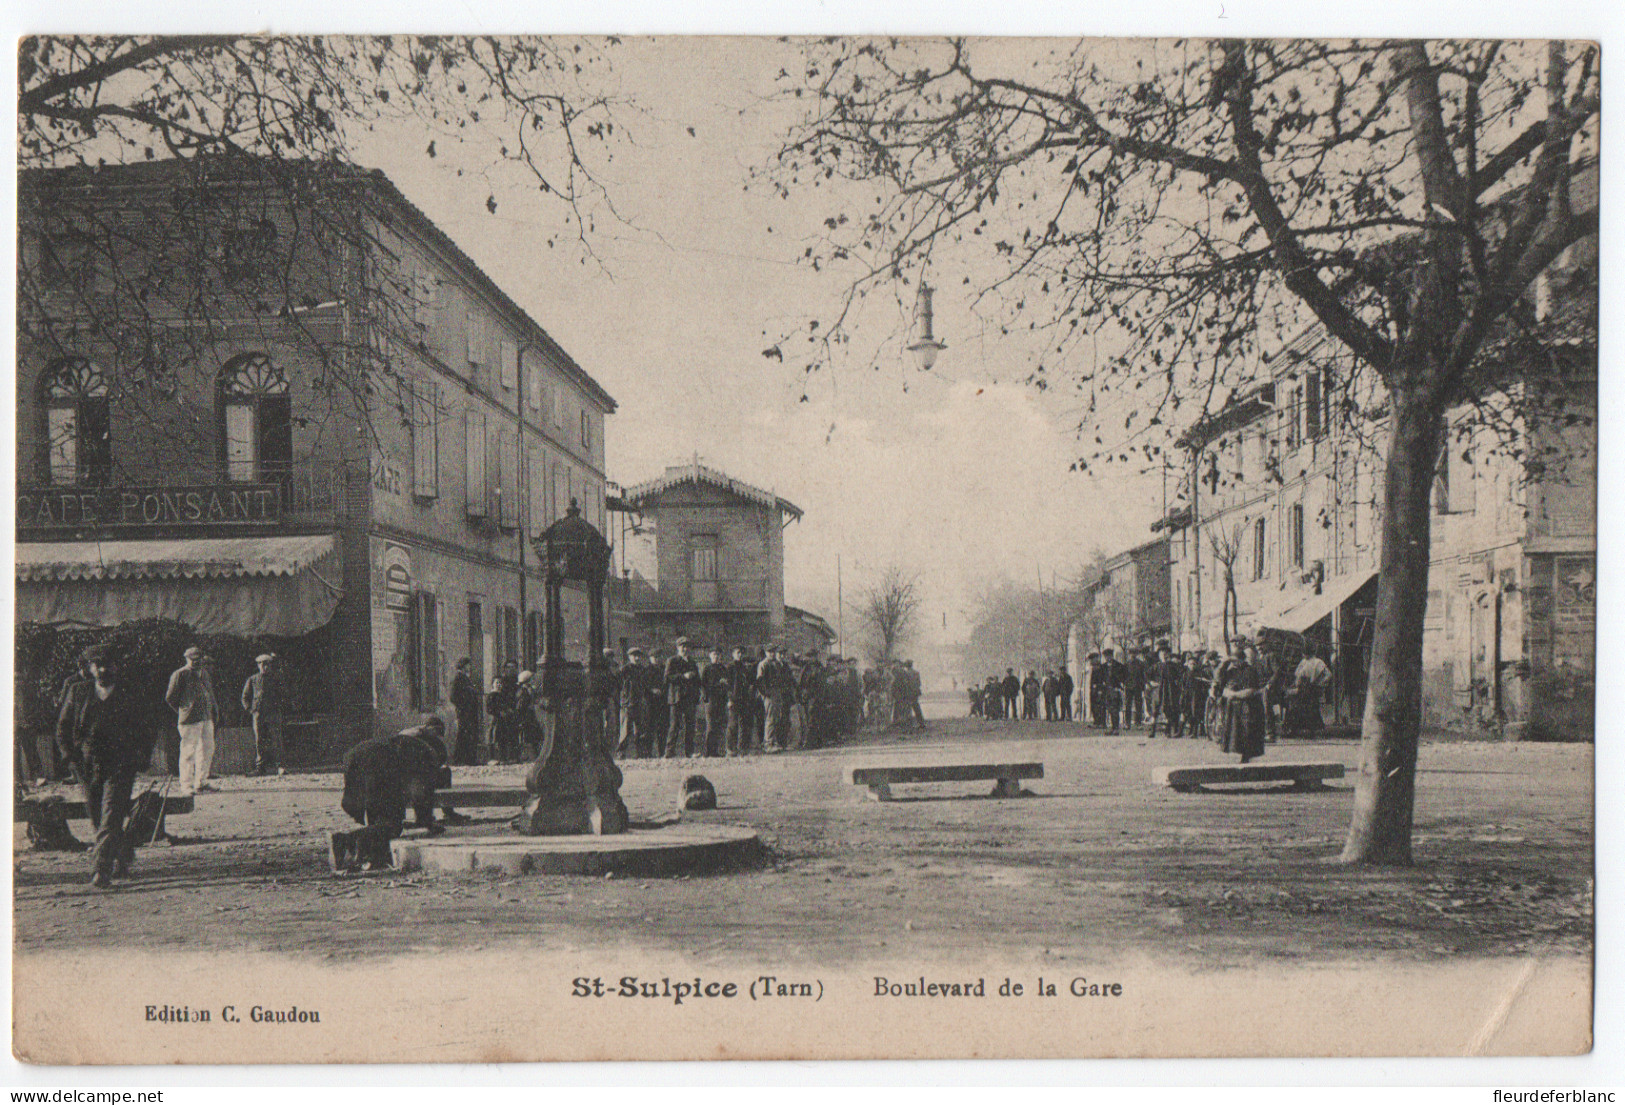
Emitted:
pixel 49 508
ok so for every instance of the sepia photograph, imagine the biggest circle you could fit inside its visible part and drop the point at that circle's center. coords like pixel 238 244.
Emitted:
pixel 591 548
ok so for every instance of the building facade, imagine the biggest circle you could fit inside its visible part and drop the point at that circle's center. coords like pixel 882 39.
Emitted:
pixel 704 558
pixel 281 407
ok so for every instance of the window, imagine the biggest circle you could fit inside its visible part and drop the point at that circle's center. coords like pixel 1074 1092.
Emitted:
pixel 704 549
pixel 425 651
pixel 247 250
pixel 1258 549
pixel 426 439
pixel 1294 415
pixel 533 636
pixel 561 488
pixel 476 493
pixel 257 425
pixel 586 430
pixel 1295 533
pixel 1314 422
pixel 510 364
pixel 78 424
pixel 558 407
pixel 475 331
pixel 508 488
pixel 533 380
pixel 477 658
pixel 536 482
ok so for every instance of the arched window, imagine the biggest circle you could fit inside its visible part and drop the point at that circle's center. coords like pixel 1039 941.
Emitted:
pixel 78 427
pixel 257 429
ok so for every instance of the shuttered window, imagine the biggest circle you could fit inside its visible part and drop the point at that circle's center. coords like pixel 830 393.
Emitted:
pixel 474 464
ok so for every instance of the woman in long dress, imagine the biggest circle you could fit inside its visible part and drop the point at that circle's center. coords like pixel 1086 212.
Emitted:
pixel 1241 688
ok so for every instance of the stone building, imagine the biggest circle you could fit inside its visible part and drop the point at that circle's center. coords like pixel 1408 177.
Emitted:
pixel 276 404
pixel 1130 598
pixel 704 559
pixel 1282 510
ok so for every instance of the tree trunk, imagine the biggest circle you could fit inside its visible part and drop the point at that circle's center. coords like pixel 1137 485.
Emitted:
pixel 1385 789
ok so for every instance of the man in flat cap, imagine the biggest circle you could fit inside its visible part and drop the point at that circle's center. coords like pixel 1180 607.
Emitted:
pixel 264 698
pixel 100 723
pixel 683 699
pixel 775 683
pixel 635 679
pixel 383 778
pixel 191 696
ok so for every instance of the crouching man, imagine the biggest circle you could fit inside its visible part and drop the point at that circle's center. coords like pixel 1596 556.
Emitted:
pixel 382 777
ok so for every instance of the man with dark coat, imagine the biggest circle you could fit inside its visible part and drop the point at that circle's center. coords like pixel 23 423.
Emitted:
pixel 635 679
pixel 383 776
pixel 1134 688
pixel 775 685
pixel 465 699
pixel 100 727
pixel 1065 689
pixel 741 704
pixel 1094 692
pixel 682 679
pixel 500 703
pixel 1010 690
pixel 1050 688
pixel 714 681
pixel 1112 674
pixel 265 699
pixel 1167 678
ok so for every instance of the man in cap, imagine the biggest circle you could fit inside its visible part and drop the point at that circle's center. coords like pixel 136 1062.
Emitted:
pixel 191 696
pixel 100 722
pixel 383 776
pixel 465 699
pixel 714 684
pixel 741 704
pixel 1112 674
pixel 1064 688
pixel 775 683
pixel 635 679
pixel 682 679
pixel 265 699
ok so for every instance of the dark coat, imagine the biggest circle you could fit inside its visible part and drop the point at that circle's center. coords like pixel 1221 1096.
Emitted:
pixel 106 733
pixel 385 775
pixel 682 681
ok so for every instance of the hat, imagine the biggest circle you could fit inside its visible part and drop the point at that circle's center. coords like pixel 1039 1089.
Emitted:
pixel 264 658
pixel 193 653
pixel 98 654
pixel 636 652
pixel 682 642
pixel 524 677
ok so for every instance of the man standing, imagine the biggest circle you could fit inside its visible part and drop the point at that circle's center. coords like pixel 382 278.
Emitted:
pixel 1010 690
pixel 776 686
pixel 1166 677
pixel 714 683
pixel 635 679
pixel 1050 688
pixel 1134 688
pixel 265 700
pixel 1111 689
pixel 683 699
pixel 912 689
pixel 1065 687
pixel 1309 682
pixel 741 704
pixel 465 699
pixel 191 696
pixel 100 722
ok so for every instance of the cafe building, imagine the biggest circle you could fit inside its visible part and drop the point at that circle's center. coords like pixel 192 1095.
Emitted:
pixel 282 411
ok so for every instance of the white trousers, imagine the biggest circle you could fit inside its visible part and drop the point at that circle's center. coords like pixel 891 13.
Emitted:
pixel 197 754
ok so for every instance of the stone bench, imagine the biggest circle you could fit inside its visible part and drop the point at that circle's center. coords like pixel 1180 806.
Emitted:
pixel 471 796
pixel 879 776
pixel 1301 776
pixel 74 809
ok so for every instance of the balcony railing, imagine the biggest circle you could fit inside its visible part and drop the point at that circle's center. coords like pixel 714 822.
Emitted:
pixel 679 595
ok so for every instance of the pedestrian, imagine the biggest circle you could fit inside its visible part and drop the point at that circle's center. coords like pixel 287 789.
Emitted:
pixel 265 699
pixel 1094 692
pixel 659 708
pixel 1309 683
pixel 636 740
pixel 383 777
pixel 1273 677
pixel 1065 687
pixel 100 722
pixel 1010 690
pixel 1240 685
pixel 499 708
pixel 1134 688
pixel 1166 679
pixel 191 696
pixel 1112 674
pixel 1030 688
pixel 741 703
pixel 714 682
pixel 527 724
pixel 913 690
pixel 775 686
pixel 1051 688
pixel 465 700
pixel 682 679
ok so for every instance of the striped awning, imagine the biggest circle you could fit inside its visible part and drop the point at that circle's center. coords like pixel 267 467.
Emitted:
pixel 246 586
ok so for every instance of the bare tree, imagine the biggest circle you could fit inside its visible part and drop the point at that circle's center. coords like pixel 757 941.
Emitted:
pixel 1188 203
pixel 888 611
pixel 1225 545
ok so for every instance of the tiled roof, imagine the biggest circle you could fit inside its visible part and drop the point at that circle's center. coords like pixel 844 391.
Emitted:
pixel 636 495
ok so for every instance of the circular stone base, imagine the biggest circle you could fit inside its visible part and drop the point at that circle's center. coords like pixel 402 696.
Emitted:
pixel 671 850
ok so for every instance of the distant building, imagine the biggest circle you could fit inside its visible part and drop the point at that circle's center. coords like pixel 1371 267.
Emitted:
pixel 282 408
pixel 1131 597
pixel 704 558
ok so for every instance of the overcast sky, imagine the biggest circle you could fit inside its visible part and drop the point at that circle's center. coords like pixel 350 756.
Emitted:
pixel 961 474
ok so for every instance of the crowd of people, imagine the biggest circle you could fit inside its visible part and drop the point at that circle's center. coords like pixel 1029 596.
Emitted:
pixel 692 703
pixel 1242 701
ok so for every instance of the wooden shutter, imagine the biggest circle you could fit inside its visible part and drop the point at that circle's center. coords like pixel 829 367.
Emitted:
pixel 477 493
pixel 510 364
pixel 508 483
pixel 426 439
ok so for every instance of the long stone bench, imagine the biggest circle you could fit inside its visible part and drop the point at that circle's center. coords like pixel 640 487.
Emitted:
pixel 74 809
pixel 880 775
pixel 1302 775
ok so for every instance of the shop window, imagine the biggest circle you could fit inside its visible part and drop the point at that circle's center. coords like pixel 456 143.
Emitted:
pixel 78 423
pixel 258 427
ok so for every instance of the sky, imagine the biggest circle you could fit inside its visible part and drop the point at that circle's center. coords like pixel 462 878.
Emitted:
pixel 961 474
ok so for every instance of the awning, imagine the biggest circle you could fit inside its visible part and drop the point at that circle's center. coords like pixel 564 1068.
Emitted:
pixel 1300 616
pixel 243 586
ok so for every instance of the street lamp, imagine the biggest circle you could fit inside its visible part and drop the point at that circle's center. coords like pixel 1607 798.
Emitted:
pixel 927 347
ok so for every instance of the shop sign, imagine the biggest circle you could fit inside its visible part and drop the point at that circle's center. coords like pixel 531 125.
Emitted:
pixel 1574 602
pixel 78 508
pixel 397 578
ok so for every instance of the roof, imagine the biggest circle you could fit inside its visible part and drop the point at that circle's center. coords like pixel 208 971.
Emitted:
pixel 807 617
pixel 190 558
pixel 636 495
pixel 173 170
